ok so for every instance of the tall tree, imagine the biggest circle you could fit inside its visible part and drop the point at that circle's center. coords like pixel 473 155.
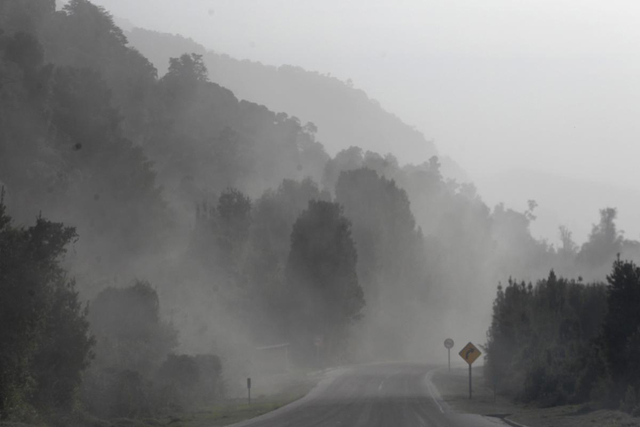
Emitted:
pixel 605 241
pixel 273 218
pixel 322 280
pixel 43 327
pixel 391 256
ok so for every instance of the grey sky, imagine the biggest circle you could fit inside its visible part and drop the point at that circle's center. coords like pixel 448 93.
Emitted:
pixel 548 85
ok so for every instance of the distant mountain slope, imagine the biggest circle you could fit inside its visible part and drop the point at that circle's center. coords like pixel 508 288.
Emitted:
pixel 561 200
pixel 344 115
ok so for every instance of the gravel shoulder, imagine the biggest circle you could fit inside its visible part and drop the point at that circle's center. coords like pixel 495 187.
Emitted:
pixel 454 390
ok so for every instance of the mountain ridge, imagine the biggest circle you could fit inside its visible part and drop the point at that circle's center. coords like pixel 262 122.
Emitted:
pixel 351 118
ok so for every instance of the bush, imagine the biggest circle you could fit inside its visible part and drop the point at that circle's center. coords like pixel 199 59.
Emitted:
pixel 129 331
pixel 187 381
pixel 117 394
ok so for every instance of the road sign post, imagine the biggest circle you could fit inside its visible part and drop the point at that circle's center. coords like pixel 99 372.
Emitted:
pixel 470 388
pixel 448 343
pixel 249 390
pixel 470 354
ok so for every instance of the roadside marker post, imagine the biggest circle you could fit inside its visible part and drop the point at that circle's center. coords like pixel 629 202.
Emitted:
pixel 448 343
pixel 249 390
pixel 470 354
pixel 317 342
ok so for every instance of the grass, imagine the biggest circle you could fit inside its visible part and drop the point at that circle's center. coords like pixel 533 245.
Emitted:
pixel 454 390
pixel 214 416
pixel 226 413
pixel 231 411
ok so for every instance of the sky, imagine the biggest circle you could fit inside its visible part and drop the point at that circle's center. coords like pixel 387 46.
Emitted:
pixel 504 87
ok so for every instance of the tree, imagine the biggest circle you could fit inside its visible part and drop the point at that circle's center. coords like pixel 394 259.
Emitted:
pixel 222 234
pixel 391 257
pixel 322 280
pixel 129 331
pixel 604 242
pixel 621 326
pixel 569 249
pixel 43 327
pixel 25 15
pixel 189 67
pixel 273 217
pixel 186 75
pixel 348 159
pixel 132 343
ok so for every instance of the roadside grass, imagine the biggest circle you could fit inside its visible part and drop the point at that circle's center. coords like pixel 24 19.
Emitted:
pixel 237 410
pixel 454 390
pixel 229 412
pixel 222 415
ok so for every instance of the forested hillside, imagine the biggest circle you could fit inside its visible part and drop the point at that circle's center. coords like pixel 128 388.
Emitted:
pixel 344 115
pixel 200 226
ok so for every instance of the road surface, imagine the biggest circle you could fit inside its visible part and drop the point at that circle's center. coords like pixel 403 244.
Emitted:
pixel 377 395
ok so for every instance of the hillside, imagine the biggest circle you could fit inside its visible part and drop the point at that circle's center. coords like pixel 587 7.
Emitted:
pixel 181 230
pixel 344 115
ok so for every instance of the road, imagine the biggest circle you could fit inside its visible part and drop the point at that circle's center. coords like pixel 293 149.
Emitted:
pixel 377 395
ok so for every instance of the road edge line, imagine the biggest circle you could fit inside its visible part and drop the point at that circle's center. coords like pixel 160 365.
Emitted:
pixel 445 408
pixel 435 394
pixel 322 384
pixel 513 423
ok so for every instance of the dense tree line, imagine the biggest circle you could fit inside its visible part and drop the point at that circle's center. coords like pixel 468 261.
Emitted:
pixel 291 262
pixel 562 341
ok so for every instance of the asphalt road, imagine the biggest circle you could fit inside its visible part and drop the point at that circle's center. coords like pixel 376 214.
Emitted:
pixel 389 395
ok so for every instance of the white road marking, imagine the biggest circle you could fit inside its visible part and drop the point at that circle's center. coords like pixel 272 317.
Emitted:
pixel 431 387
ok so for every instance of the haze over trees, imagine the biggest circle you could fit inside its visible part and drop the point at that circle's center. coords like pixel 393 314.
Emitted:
pixel 343 113
pixel 200 226
pixel 321 279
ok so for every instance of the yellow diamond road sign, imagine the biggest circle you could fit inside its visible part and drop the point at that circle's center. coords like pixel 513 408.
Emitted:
pixel 470 353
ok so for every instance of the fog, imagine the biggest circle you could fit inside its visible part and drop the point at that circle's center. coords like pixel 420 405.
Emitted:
pixel 546 86
pixel 266 188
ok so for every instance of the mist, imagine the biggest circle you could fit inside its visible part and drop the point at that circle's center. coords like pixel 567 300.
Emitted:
pixel 223 190
pixel 496 85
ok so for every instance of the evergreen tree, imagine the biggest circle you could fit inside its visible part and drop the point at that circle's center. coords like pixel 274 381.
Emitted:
pixel 322 280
